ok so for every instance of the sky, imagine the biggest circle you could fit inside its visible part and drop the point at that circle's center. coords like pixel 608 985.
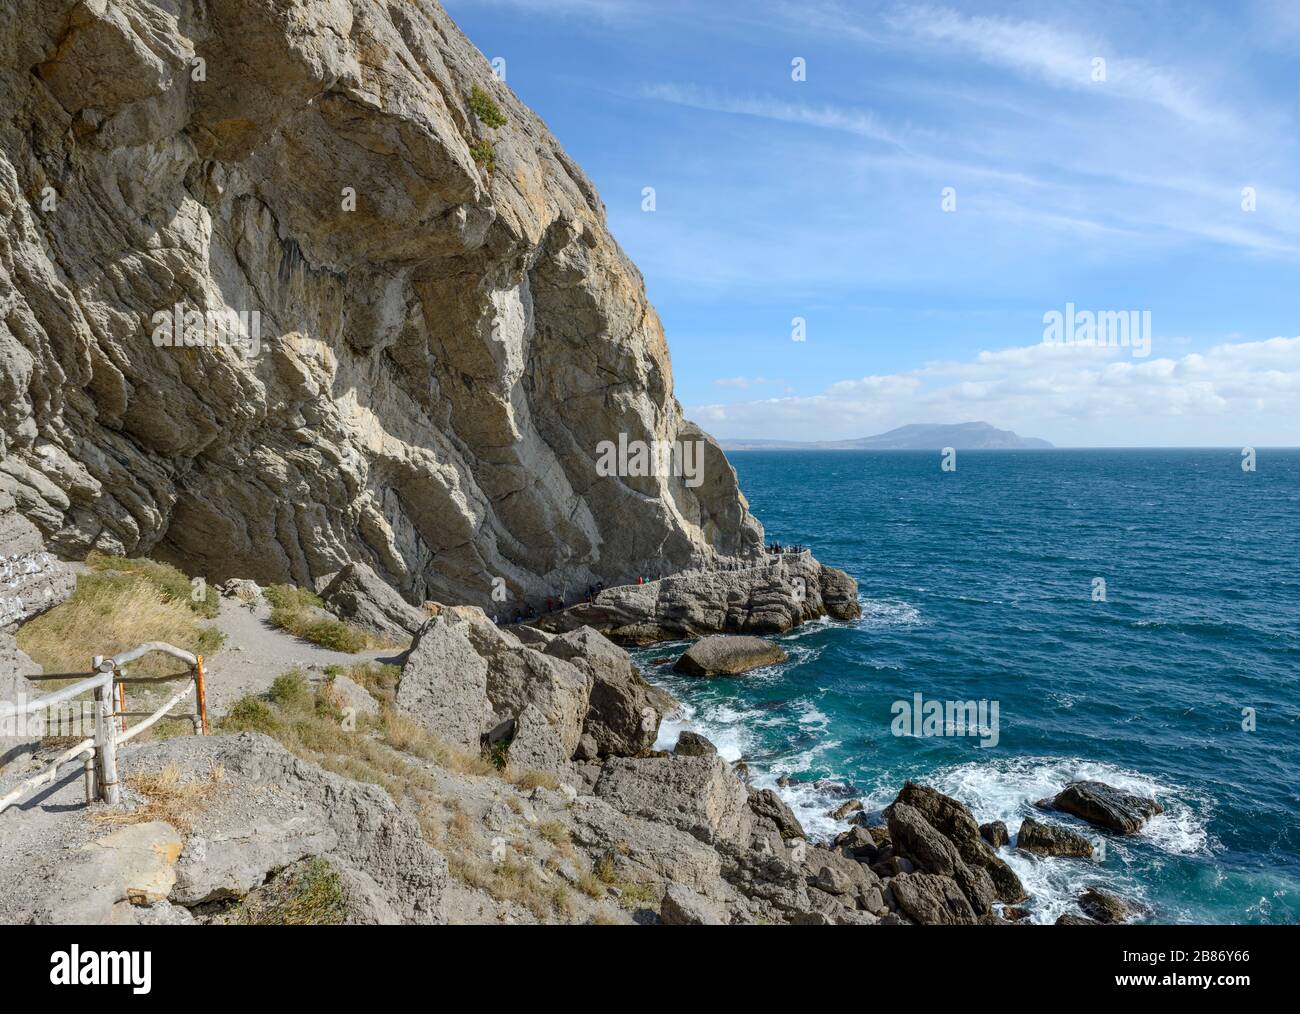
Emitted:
pixel 942 179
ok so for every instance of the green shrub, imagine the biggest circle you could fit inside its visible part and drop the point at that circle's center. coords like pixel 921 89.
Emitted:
pixel 485 154
pixel 485 108
pixel 251 714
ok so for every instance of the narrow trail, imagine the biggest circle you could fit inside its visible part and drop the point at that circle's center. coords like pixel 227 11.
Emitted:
pixel 255 653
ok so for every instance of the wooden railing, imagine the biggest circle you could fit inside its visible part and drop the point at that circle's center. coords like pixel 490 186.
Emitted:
pixel 107 681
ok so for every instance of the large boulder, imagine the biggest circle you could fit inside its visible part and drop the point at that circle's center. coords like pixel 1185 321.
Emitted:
pixel 444 683
pixel 624 711
pixel 1106 806
pixel 361 596
pixel 766 803
pixel 931 900
pixel 916 839
pixel 1105 907
pixel 699 795
pixel 728 655
pixel 1050 840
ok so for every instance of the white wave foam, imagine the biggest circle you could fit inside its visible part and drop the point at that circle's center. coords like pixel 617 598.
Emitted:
pixel 877 613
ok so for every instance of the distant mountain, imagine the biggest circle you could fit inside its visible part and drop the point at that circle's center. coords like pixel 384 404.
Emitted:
pixel 972 436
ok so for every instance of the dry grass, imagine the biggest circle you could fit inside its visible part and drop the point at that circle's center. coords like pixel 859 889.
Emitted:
pixel 169 798
pixel 528 779
pixel 113 612
pixel 308 893
pixel 307 722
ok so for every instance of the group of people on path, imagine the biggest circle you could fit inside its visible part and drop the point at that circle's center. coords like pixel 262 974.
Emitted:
pixel 778 549
pixel 525 612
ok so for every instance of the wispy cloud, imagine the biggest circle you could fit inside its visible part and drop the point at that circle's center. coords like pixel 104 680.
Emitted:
pixel 1060 57
pixel 827 117
pixel 744 383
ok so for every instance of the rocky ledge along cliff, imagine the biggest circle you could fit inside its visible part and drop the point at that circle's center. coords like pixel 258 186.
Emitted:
pixel 448 332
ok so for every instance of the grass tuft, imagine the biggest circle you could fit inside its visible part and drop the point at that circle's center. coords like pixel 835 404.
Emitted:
pixel 167 798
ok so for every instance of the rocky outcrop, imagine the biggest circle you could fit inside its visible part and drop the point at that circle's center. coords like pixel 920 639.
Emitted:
pixel 576 695
pixel 438 332
pixel 1050 840
pixel 728 655
pixel 357 594
pixel 954 820
pixel 1106 806
pixel 31 581
pixel 769 597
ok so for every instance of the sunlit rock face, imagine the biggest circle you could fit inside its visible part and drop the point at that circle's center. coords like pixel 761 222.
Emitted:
pixel 433 345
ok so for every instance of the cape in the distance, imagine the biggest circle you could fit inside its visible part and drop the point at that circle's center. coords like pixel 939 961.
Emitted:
pixel 971 436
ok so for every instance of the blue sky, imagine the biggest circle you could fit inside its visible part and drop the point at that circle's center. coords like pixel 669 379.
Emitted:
pixel 822 199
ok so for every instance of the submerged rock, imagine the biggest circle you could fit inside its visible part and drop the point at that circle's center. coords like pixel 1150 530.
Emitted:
pixel 728 655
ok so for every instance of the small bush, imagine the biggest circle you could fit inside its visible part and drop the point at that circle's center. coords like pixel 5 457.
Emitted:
pixel 290 612
pixel 485 154
pixel 309 893
pixel 291 598
pixel 112 612
pixel 251 714
pixel 485 108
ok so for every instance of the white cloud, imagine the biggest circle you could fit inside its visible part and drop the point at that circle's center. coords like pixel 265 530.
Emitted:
pixel 1235 394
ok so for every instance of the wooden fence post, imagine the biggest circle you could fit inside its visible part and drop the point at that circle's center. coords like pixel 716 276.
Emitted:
pixel 200 694
pixel 105 740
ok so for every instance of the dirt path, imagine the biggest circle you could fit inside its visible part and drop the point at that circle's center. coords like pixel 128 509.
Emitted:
pixel 255 653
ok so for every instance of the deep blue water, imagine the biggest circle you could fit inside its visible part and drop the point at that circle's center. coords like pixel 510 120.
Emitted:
pixel 978 585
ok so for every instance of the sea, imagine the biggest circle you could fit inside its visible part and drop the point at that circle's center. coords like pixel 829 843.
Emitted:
pixel 1134 615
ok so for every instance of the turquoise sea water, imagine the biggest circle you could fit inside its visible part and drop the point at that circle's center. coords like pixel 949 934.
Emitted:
pixel 977 585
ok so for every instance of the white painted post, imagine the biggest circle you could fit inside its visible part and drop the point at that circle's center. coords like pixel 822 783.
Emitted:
pixel 105 740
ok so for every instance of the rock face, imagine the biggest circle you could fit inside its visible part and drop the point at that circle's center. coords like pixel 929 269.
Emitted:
pixel 767 597
pixel 728 655
pixel 437 348
pixel 1106 806
pixel 31 581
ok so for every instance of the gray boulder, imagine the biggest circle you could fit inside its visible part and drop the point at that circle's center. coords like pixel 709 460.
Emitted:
pixel 623 711
pixel 699 795
pixel 728 655
pixel 1105 907
pixel 684 907
pixel 931 900
pixel 444 683
pixel 357 594
pixel 956 823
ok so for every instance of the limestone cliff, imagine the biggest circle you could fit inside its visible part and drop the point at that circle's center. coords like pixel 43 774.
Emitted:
pixel 447 329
